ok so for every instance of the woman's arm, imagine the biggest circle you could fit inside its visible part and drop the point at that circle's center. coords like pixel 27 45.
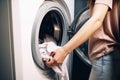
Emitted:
pixel 87 30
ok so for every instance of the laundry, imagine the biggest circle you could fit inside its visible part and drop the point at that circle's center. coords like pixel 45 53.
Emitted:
pixel 45 49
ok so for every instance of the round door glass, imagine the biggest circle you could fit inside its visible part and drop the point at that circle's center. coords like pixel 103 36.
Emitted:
pixel 51 28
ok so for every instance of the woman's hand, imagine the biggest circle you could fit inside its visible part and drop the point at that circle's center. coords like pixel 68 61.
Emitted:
pixel 58 57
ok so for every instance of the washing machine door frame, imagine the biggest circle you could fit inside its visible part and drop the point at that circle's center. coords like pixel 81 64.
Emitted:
pixel 60 8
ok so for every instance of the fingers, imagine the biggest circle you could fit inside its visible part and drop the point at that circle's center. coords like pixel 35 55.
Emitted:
pixel 52 54
pixel 56 60
pixel 50 63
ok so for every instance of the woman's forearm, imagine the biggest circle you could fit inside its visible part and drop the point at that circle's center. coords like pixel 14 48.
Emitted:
pixel 82 35
pixel 88 29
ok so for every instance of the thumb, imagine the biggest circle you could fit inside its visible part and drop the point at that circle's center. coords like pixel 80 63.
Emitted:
pixel 50 63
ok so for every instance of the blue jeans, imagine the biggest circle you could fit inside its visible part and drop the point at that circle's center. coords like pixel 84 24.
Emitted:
pixel 106 67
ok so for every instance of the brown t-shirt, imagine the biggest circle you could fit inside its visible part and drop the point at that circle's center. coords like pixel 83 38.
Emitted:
pixel 102 41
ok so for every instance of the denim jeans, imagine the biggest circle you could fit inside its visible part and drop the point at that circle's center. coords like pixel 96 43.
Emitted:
pixel 106 67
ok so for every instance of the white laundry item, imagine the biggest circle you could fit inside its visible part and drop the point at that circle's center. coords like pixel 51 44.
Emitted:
pixel 45 49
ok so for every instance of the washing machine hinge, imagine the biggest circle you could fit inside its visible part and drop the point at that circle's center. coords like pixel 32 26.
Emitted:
pixel 70 31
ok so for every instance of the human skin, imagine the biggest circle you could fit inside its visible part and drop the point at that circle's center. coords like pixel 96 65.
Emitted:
pixel 87 30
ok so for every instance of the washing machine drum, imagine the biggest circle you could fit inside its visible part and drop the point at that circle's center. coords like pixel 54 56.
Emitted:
pixel 52 23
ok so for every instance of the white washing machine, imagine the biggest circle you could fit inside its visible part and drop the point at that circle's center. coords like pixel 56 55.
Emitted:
pixel 28 22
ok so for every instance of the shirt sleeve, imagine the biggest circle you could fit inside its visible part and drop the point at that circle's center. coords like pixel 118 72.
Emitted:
pixel 106 2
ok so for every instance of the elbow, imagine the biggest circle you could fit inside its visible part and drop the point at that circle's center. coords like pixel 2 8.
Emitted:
pixel 97 22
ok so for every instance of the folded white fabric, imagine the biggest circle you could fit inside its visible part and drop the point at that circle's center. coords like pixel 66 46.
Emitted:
pixel 45 49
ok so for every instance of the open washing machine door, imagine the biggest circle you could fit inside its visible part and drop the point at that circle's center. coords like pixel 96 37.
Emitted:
pixel 52 23
pixel 82 51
